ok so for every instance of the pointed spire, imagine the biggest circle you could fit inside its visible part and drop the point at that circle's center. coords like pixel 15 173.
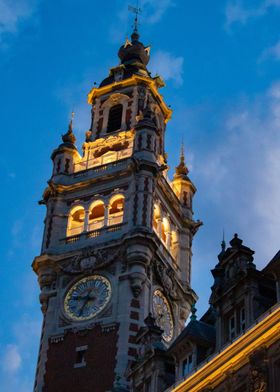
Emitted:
pixel 193 313
pixel 136 10
pixel 223 243
pixel 69 136
pixel 182 169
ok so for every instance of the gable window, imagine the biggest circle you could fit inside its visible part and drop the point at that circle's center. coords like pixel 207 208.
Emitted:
pixel 242 319
pixel 231 327
pixel 115 118
pixel 187 365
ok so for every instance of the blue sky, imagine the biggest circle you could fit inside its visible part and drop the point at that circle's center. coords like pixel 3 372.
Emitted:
pixel 220 60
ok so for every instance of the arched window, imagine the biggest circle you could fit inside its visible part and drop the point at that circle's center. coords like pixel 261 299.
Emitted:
pixel 156 218
pixel 165 232
pixel 115 118
pixel 96 215
pixel 174 244
pixel 116 209
pixel 76 221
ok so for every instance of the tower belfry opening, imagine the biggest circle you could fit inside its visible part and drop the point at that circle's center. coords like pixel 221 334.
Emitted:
pixel 117 244
pixel 115 118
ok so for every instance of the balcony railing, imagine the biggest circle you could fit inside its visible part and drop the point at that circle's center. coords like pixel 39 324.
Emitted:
pixel 93 233
pixel 75 230
pixel 103 160
pixel 96 224
pixel 115 219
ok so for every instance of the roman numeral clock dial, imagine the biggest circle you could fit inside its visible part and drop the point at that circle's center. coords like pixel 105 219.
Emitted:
pixel 163 315
pixel 87 298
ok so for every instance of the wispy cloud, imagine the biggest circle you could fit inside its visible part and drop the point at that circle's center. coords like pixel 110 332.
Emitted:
pixel 168 66
pixel 16 362
pixel 11 359
pixel 273 52
pixel 13 13
pixel 152 12
pixel 239 174
pixel 237 12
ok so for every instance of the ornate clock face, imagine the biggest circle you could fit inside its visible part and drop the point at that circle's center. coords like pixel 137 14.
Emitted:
pixel 87 297
pixel 163 315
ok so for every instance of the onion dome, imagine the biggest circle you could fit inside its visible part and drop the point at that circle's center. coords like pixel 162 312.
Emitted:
pixel 69 138
pixel 181 169
pixel 134 53
pixel 134 57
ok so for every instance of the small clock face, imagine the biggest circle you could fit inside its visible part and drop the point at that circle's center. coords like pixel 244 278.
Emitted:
pixel 163 315
pixel 87 297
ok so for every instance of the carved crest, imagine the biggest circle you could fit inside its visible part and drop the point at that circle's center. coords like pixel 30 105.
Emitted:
pixel 166 277
pixel 89 260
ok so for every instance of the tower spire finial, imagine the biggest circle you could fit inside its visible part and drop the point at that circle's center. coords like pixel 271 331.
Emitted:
pixel 182 156
pixel 69 136
pixel 70 128
pixel 223 243
pixel 182 169
pixel 136 10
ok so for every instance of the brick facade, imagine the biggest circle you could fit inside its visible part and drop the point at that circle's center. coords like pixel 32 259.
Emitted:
pixel 98 372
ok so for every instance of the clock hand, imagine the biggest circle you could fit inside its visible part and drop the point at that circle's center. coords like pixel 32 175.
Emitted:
pixel 87 299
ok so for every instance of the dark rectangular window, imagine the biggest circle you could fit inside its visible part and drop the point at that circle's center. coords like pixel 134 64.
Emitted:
pixel 80 356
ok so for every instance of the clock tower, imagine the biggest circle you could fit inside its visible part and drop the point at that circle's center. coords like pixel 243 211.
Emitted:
pixel 118 236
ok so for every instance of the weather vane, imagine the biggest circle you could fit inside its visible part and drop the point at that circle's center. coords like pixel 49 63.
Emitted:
pixel 135 10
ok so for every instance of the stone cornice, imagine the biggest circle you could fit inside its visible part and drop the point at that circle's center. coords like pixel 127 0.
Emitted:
pixel 264 334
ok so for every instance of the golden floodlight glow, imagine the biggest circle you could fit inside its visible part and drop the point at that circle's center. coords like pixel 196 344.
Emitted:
pixel 133 80
pixel 265 333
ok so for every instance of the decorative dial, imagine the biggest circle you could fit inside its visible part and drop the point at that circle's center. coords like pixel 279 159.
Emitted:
pixel 163 315
pixel 87 297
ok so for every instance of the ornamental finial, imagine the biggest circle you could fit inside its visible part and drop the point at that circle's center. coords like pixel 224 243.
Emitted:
pixel 223 243
pixel 182 169
pixel 69 136
pixel 136 10
pixel 193 312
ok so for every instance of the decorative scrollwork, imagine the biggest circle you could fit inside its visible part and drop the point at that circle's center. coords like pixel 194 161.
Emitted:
pixel 89 260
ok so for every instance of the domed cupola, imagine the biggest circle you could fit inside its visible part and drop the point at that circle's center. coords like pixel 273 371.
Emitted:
pixel 134 54
pixel 134 58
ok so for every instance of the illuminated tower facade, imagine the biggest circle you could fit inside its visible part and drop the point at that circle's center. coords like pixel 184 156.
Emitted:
pixel 118 236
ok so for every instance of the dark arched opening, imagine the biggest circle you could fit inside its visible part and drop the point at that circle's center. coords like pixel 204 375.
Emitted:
pixel 115 118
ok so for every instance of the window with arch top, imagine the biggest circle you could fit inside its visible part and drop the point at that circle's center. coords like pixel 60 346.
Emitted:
pixel 76 221
pixel 115 118
pixel 116 210
pixel 96 218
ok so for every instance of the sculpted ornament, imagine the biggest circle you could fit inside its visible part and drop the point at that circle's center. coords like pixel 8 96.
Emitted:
pixel 258 371
pixel 89 260
pixel 167 279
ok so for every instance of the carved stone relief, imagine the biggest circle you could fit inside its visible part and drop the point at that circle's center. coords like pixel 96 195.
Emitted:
pixel 89 260
pixel 258 371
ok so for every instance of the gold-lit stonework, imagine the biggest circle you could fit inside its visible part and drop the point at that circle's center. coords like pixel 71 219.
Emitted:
pixel 263 334
pixel 87 297
pixel 163 315
pixel 152 84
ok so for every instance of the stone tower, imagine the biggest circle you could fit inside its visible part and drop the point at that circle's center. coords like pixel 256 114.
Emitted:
pixel 118 236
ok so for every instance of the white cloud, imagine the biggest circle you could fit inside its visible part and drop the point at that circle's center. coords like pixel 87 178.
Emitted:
pixel 11 359
pixel 272 52
pixel 13 12
pixel 17 361
pixel 153 10
pixel 168 66
pixel 239 174
pixel 237 12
